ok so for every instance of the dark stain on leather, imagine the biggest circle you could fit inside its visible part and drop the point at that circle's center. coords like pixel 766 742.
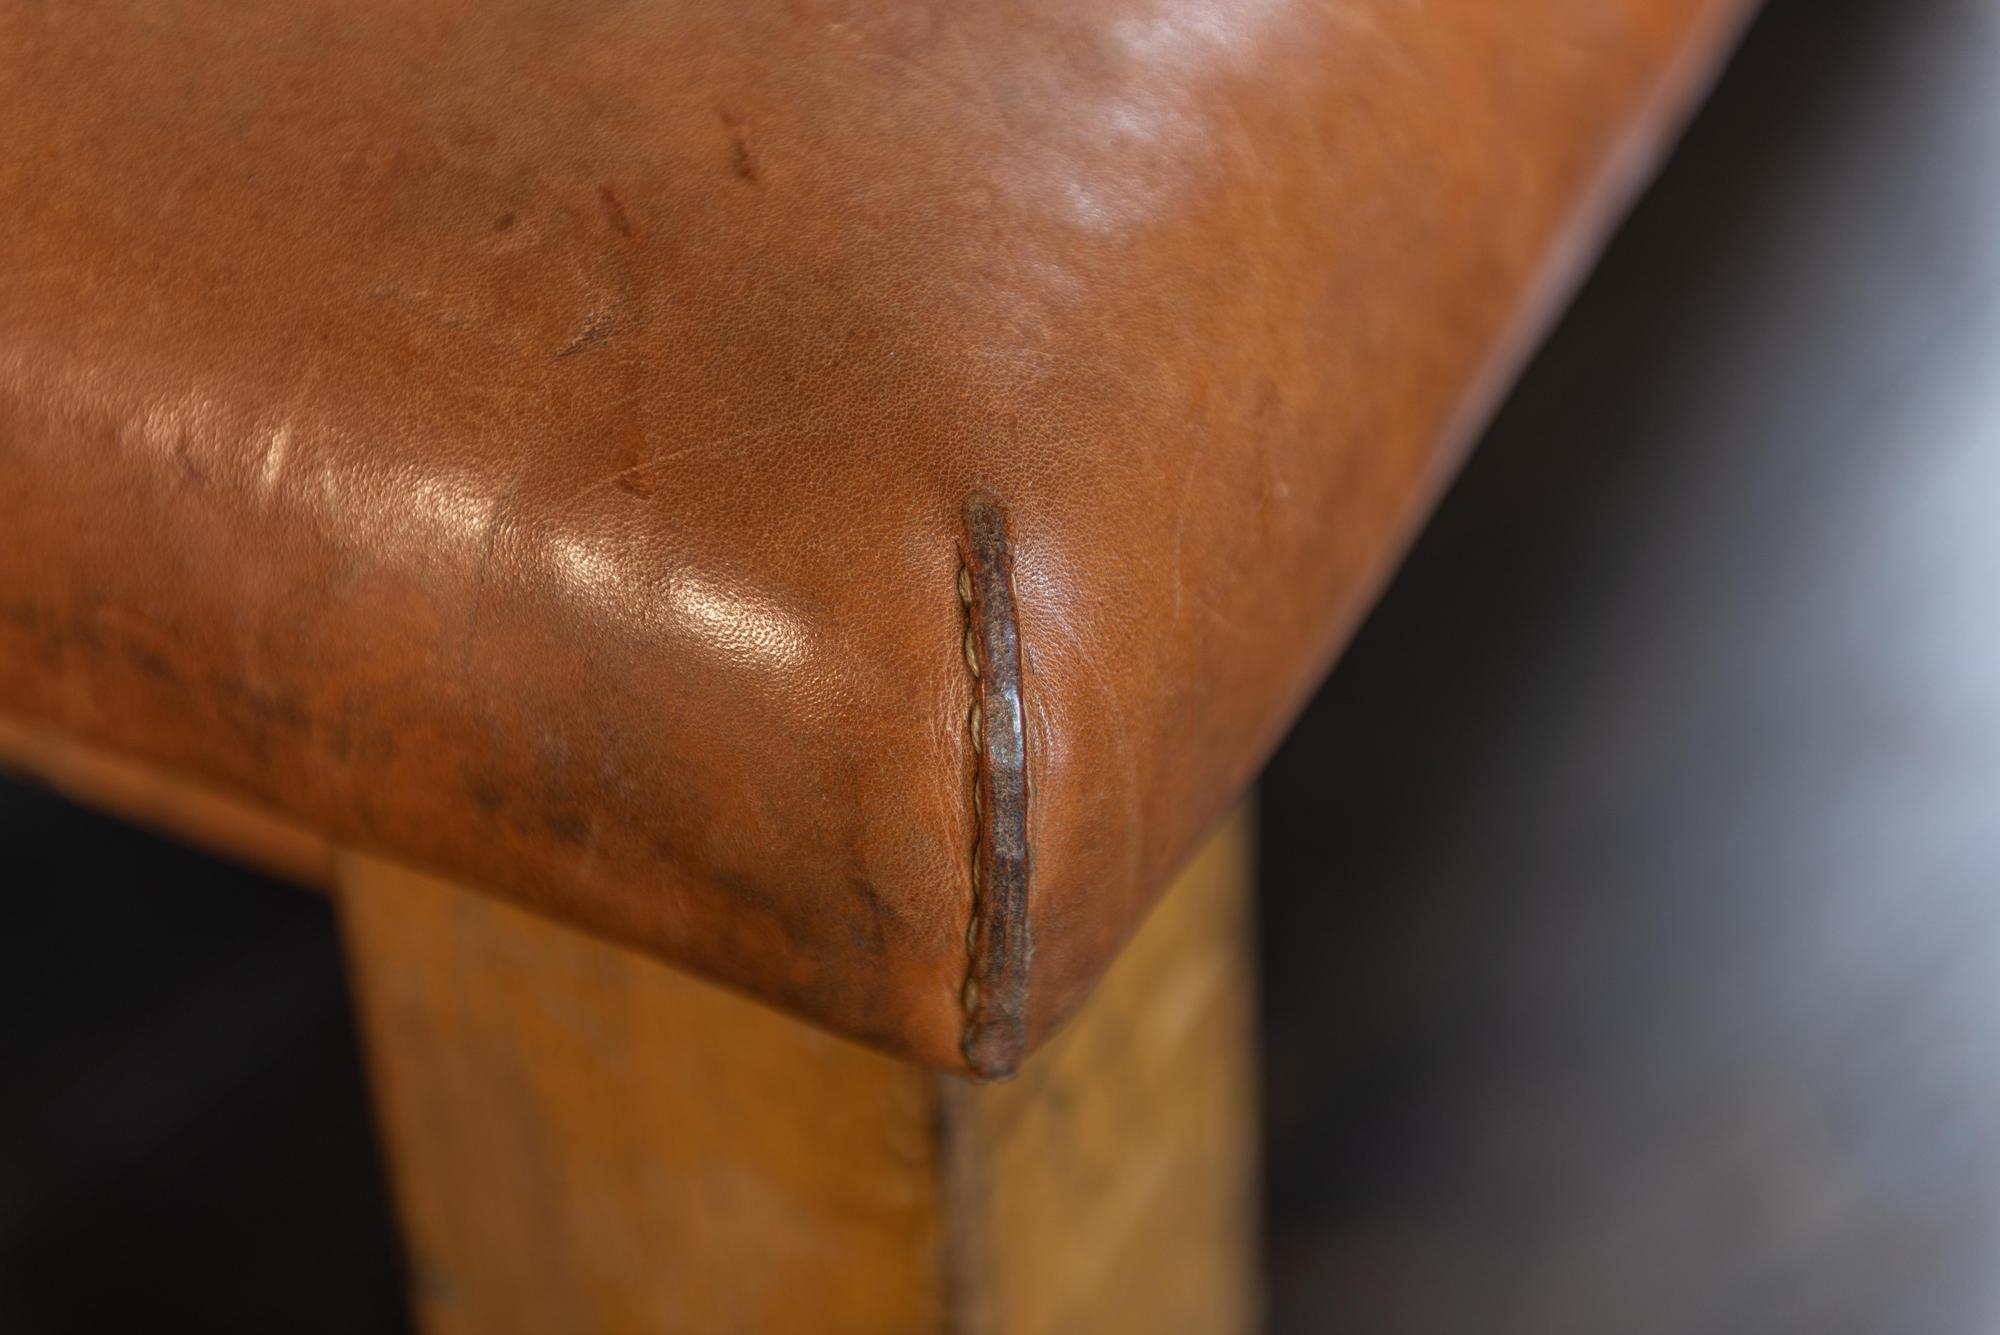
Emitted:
pixel 259 709
pixel 568 823
pixel 614 211
pixel 867 930
pixel 56 635
pixel 148 662
pixel 486 793
pixel 353 737
pixel 999 939
pixel 741 165
pixel 24 616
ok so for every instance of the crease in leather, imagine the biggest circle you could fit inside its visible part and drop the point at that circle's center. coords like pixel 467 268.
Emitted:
pixel 999 937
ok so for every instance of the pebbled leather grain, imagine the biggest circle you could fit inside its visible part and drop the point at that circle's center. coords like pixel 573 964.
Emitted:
pixel 532 440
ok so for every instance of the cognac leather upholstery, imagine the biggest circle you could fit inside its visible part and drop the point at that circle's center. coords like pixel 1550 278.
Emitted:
pixel 605 450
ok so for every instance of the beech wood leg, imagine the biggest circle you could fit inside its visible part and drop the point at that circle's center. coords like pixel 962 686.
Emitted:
pixel 585 1140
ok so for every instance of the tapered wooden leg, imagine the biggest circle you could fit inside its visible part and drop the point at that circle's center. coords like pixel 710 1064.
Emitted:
pixel 585 1140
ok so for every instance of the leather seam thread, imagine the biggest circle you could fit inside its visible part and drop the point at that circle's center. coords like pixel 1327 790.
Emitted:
pixel 998 940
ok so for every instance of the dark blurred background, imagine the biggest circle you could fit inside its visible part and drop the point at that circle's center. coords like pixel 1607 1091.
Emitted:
pixel 1631 898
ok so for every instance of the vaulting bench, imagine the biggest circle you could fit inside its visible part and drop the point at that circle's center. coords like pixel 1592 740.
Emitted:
pixel 836 500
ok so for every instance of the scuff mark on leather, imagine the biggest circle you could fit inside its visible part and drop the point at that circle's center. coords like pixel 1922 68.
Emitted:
pixel 595 328
pixel 999 940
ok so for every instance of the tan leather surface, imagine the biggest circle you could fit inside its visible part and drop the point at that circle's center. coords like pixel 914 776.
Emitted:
pixel 531 440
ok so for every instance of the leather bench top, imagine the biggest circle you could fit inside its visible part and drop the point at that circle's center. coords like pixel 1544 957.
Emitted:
pixel 605 450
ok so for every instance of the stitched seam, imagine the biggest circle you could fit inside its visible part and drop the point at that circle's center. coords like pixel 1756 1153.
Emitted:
pixel 997 936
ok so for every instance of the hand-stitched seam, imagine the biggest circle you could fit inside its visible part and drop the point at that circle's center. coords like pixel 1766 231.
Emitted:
pixel 998 939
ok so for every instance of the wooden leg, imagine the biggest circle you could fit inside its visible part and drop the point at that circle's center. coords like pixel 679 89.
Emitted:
pixel 584 1140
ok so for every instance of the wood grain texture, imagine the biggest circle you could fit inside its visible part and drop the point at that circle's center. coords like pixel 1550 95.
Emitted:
pixel 587 1140
pixel 1111 1186
pixel 584 1140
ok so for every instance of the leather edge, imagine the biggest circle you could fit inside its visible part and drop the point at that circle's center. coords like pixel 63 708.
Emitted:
pixel 176 805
